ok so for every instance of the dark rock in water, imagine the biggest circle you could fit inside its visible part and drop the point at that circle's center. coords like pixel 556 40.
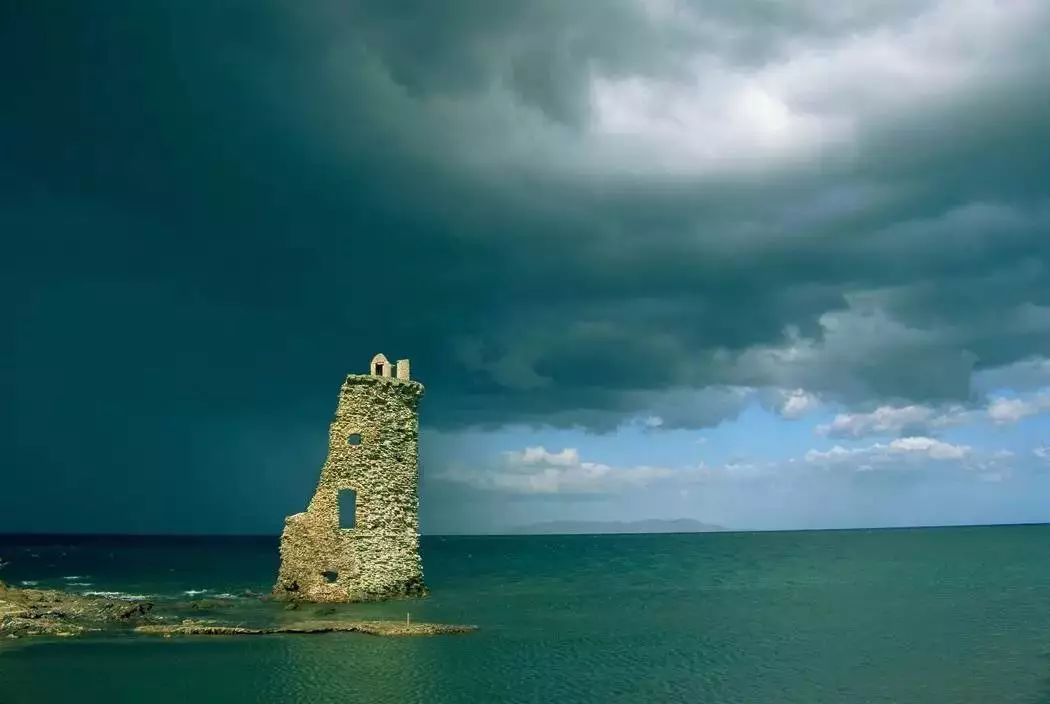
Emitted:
pixel 138 609
pixel 208 604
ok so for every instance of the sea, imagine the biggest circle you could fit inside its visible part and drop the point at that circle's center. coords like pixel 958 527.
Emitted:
pixel 916 616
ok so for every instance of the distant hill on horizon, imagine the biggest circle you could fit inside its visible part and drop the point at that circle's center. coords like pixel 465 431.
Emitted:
pixel 652 525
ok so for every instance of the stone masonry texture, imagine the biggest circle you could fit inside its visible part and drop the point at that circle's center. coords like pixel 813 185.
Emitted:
pixel 373 449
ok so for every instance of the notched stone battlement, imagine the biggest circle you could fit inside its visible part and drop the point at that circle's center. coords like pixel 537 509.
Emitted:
pixel 358 539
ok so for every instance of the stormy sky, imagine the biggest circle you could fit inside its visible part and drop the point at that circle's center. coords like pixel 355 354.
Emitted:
pixel 762 264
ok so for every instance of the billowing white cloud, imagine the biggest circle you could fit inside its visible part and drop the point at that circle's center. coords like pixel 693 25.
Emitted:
pixel 1011 410
pixel 709 124
pixel 717 113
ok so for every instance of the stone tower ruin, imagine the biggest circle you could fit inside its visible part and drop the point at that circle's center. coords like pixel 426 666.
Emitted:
pixel 358 539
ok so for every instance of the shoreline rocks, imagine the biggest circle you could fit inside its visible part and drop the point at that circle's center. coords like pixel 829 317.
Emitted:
pixel 376 628
pixel 28 612
pixel 44 612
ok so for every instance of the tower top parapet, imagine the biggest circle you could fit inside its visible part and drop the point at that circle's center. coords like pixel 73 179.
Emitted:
pixel 380 366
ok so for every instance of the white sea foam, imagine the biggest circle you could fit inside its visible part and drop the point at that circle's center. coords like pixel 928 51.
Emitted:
pixel 222 595
pixel 117 595
pixel 29 583
pixel 76 576
pixel 80 584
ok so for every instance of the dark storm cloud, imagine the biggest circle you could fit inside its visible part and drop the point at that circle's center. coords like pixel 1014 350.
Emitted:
pixel 213 211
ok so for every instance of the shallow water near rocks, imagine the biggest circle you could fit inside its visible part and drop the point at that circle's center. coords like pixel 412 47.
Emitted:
pixel 918 615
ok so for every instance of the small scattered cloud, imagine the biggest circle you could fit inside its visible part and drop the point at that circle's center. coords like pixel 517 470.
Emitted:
pixel 536 470
pixel 917 418
pixel 539 471
pixel 890 420
pixel 879 454
pixel 930 447
pixel 797 403
pixel 531 456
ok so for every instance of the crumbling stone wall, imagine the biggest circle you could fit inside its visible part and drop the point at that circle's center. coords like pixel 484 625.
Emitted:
pixel 379 557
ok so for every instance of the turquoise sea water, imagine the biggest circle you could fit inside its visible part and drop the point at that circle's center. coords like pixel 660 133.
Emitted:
pixel 952 615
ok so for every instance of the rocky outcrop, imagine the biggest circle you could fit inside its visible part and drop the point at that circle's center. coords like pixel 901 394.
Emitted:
pixel 46 612
pixel 41 612
pixel 376 628
pixel 370 550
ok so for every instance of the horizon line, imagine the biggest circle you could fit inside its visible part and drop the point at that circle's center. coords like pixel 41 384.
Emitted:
pixel 276 536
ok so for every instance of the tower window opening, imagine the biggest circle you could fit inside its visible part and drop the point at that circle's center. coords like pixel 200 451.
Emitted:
pixel 347 508
pixel 379 369
pixel 353 439
pixel 330 576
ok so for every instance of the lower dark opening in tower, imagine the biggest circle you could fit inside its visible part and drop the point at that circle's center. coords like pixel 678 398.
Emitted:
pixel 347 508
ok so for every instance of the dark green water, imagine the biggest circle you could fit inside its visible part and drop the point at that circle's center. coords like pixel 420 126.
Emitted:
pixel 926 615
